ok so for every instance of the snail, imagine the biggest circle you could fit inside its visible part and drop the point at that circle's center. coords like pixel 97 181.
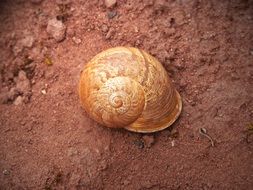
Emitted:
pixel 125 87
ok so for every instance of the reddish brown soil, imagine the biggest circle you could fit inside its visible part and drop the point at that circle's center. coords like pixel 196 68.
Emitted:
pixel 48 142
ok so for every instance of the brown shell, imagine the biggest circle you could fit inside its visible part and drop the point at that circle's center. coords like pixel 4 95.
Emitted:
pixel 129 88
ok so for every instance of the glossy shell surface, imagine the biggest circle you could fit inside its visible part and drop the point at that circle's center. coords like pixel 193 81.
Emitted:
pixel 128 88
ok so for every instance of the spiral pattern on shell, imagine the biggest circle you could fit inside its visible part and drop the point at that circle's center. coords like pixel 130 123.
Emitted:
pixel 127 87
pixel 119 102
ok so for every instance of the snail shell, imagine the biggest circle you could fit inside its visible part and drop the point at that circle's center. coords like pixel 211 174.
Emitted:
pixel 128 88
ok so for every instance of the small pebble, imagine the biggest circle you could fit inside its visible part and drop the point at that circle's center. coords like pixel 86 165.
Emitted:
pixel 27 41
pixel 173 143
pixel 18 101
pixel 136 29
pixel 139 143
pixel 148 140
pixel 110 3
pixel 44 91
pixel 23 122
pixel 137 43
pixel 23 83
pixel 76 40
pixel 7 96
pixel 72 152
pixel 6 172
pixel 56 29
pixel 104 28
pixel 174 134
pixel 22 75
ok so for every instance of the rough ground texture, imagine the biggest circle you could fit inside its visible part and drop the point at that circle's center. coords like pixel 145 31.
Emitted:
pixel 48 142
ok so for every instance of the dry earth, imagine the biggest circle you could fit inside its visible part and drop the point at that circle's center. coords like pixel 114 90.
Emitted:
pixel 48 142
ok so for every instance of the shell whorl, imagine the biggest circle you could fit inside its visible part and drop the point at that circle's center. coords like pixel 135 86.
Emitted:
pixel 118 102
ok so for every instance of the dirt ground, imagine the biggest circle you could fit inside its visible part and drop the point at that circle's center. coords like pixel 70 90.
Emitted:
pixel 48 142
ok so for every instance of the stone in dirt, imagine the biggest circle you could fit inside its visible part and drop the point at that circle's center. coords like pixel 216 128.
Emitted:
pixel 148 140
pixel 56 29
pixel 110 3
pixel 23 87
pixel 18 101
pixel 6 172
pixel 139 143
pixel 13 93
pixel 26 42
pixel 76 40
pixel 8 96
pixel 104 28
pixel 44 91
pixel 23 83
